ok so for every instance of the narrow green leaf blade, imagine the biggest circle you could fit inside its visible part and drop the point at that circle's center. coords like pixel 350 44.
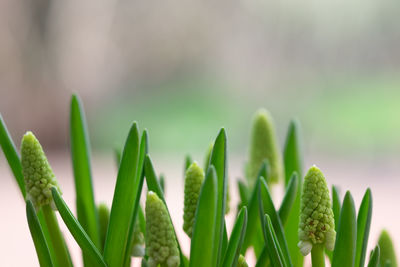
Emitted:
pixel 293 161
pixel 263 259
pixel 140 177
pixel 218 160
pixel 188 162
pixel 42 250
pixel 363 226
pixel 336 206
pixel 79 234
pixel 346 239
pixel 80 154
pixel 12 156
pixel 104 217
pixel 244 193
pixel 203 245
pixel 387 252
pixel 289 198
pixel 254 232
pixel 126 189
pixel 266 203
pixel 236 240
pixel 272 244
pixel 374 258
pixel 153 185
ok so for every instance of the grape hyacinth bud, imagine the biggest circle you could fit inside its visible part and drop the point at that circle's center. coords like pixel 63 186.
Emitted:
pixel 161 244
pixel 38 175
pixel 317 225
pixel 193 180
pixel 242 261
pixel 264 146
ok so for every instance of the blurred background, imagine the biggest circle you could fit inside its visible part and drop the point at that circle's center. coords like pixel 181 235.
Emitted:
pixel 183 69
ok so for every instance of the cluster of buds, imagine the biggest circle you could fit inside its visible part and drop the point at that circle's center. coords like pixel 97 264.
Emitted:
pixel 317 225
pixel 161 244
pixel 193 180
pixel 38 175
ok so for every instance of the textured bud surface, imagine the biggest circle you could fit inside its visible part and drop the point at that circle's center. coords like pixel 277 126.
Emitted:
pixel 242 261
pixel 264 146
pixel 38 175
pixel 193 180
pixel 317 225
pixel 161 245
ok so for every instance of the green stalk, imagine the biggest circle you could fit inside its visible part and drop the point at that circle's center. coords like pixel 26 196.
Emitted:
pixel 62 258
pixel 318 256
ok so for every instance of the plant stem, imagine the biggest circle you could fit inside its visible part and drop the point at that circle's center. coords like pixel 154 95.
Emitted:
pixel 318 256
pixel 60 249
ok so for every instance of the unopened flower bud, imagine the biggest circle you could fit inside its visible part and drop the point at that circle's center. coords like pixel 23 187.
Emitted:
pixel 242 261
pixel 317 225
pixel 263 147
pixel 38 175
pixel 193 180
pixel 161 244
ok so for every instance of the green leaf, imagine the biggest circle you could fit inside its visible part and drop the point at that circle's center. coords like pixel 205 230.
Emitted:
pixel 263 259
pixel 236 240
pixel 203 247
pixel 244 193
pixel 161 181
pixel 387 253
pixel 153 185
pixel 271 243
pixel 42 250
pixel 336 206
pixel 79 234
pixel 292 155
pixel 374 258
pixel 293 161
pixel 266 206
pixel 140 176
pixel 363 226
pixel 127 188
pixel 188 162
pixel 104 217
pixel 80 154
pixel 254 233
pixel 336 213
pixel 289 198
pixel 346 238
pixel 218 160
pixel 151 179
pixel 12 156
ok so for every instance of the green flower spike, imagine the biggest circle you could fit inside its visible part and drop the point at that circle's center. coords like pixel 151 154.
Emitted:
pixel 264 146
pixel 38 175
pixel 193 180
pixel 317 225
pixel 388 256
pixel 161 245
pixel 242 261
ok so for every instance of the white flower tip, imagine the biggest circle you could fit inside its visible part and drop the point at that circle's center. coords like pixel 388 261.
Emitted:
pixel 305 247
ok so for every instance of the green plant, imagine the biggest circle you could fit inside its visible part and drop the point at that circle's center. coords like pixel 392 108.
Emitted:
pixel 308 219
